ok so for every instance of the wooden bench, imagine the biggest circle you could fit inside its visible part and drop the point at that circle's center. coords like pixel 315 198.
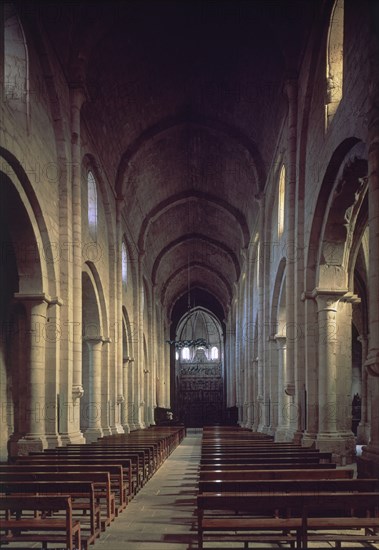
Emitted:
pixel 138 471
pixel 82 499
pixel 18 526
pixel 287 517
pixel 266 466
pixel 145 454
pixel 209 475
pixel 100 480
pixel 251 459
pixel 118 487
pixel 222 485
pixel 129 478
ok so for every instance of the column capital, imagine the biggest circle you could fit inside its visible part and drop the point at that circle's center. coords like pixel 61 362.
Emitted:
pixel 281 340
pixel 290 87
pixel 77 391
pixel 327 299
pixel 94 340
pixel 260 198
pixel 120 201
pixel 38 297
pixel 372 363
pixel 78 92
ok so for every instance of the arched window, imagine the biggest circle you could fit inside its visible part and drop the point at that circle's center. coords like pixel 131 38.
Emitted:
pixel 281 200
pixel 92 204
pixel 16 78
pixel 124 263
pixel 185 353
pixel 334 62
pixel 214 353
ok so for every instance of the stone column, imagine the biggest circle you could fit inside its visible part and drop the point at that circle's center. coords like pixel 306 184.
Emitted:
pixel 284 400
pixel 94 411
pixel 77 98
pixel 125 392
pixel 332 433
pixel 363 432
pixel 132 397
pixel 327 395
pixel 139 368
pixel 52 336
pixel 32 421
pixel 371 452
pixel 254 400
pixel 120 426
pixel 289 382
pixel 261 318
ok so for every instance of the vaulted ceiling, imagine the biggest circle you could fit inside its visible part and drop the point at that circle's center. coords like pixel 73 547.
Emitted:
pixel 185 102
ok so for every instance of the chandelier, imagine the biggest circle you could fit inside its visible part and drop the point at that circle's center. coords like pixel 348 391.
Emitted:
pixel 179 344
pixel 192 313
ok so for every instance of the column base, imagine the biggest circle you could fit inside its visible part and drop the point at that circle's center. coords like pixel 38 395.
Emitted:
pixel 22 445
pixel 117 429
pixel 140 425
pixel 53 441
pixel 93 434
pixel 76 437
pixel 132 426
pixel 108 431
pixel 126 428
pixel 283 433
pixel 368 463
pixel 309 440
pixel 363 434
pixel 340 444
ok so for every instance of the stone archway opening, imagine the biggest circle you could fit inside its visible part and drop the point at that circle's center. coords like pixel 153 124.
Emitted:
pixel 199 369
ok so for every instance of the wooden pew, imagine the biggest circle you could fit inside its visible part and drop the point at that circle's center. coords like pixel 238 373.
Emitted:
pixel 288 485
pixel 83 462
pixel 118 486
pixel 100 480
pixel 82 499
pixel 45 529
pixel 267 466
pixel 251 475
pixel 251 459
pixel 138 469
pixel 246 453
pixel 287 517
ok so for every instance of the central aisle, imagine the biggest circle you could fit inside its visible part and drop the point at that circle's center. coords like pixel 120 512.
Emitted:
pixel 162 515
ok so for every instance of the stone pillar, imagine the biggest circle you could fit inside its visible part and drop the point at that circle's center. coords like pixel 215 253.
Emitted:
pixel 125 392
pixel 254 400
pixel 363 432
pixel 77 98
pixel 139 368
pixel 32 421
pixel 94 411
pixel 132 397
pixel 53 360
pixel 284 400
pixel 371 452
pixel 120 425
pixel 261 315
pixel 289 382
pixel 332 433
pixel 311 372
